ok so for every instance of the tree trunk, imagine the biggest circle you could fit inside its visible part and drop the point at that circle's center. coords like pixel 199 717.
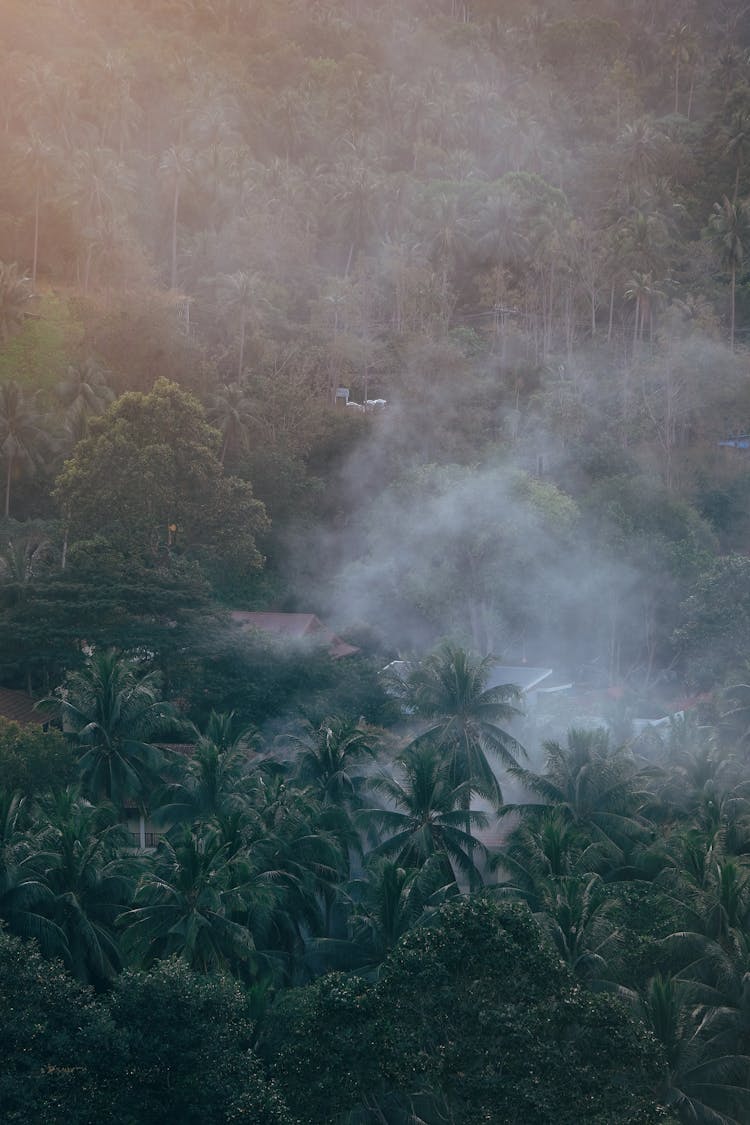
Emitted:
pixel 7 486
pixel 241 361
pixel 175 209
pixel 732 304
pixel 36 237
pixel 691 91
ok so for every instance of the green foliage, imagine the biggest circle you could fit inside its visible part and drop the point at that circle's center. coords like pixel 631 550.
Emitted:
pixel 149 480
pixel 33 761
pixel 189 1042
pixel 263 680
pixel 473 1014
pixel 162 1046
pixel 107 600
pixel 113 709
pixel 37 357
pixel 714 633
pixel 60 1046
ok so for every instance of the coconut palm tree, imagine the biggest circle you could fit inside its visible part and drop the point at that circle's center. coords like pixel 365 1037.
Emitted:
pixel 728 231
pixel 226 731
pixel 90 882
pixel 184 906
pixel 576 915
pixel 389 900
pixel 231 410
pixel 302 851
pixel 591 785
pixel 426 814
pixel 448 696
pixel 737 145
pixel 38 161
pixel 701 1082
pixel 22 437
pixel 327 758
pixel 113 709
pixel 25 897
pixel 239 296
pixel 542 849
pixel 84 392
pixel 175 166
pixel 15 292
pixel 209 787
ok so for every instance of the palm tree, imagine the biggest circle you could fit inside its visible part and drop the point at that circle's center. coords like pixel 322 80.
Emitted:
pixel 642 289
pixel 184 907
pixel 389 900
pixel 175 165
pixel 576 917
pixel 640 145
pixel 448 238
pixel 448 692
pixel 682 45
pixel 737 145
pixel 427 814
pixel 25 897
pixel 302 850
pixel 230 409
pixel 15 292
pixel 25 554
pixel 327 757
pixel 21 435
pixel 592 786
pixel 728 230
pixel 84 392
pixel 226 731
pixel 239 295
pixel 357 198
pixel 210 787
pixel 38 162
pixel 113 709
pixel 540 850
pixel 702 1082
pixel 90 882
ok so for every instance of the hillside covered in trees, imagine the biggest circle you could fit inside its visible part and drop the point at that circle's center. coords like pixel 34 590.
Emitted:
pixel 428 323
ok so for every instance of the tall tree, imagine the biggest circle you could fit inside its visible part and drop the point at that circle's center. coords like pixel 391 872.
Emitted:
pixel 14 297
pixel 231 410
pixel 175 166
pixel 148 479
pixel 83 392
pixel 184 907
pixel 38 159
pixel 240 295
pixel 463 716
pixel 22 436
pixel 114 709
pixel 91 882
pixel 427 814
pixel 728 229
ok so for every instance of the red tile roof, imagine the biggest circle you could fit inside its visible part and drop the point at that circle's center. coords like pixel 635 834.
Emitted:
pixel 18 707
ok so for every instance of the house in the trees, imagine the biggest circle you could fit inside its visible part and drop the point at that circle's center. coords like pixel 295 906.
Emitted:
pixel 300 627
pixel 18 707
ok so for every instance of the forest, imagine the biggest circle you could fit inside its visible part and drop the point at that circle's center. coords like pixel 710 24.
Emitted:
pixel 375 562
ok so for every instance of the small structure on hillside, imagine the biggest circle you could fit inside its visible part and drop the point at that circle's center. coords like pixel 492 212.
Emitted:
pixel 18 707
pixel 295 627
pixel 532 682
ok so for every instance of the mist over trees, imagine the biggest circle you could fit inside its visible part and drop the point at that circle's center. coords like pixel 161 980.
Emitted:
pixel 427 321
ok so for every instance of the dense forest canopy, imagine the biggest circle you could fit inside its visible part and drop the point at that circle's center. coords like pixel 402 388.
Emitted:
pixel 421 328
pixel 529 242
